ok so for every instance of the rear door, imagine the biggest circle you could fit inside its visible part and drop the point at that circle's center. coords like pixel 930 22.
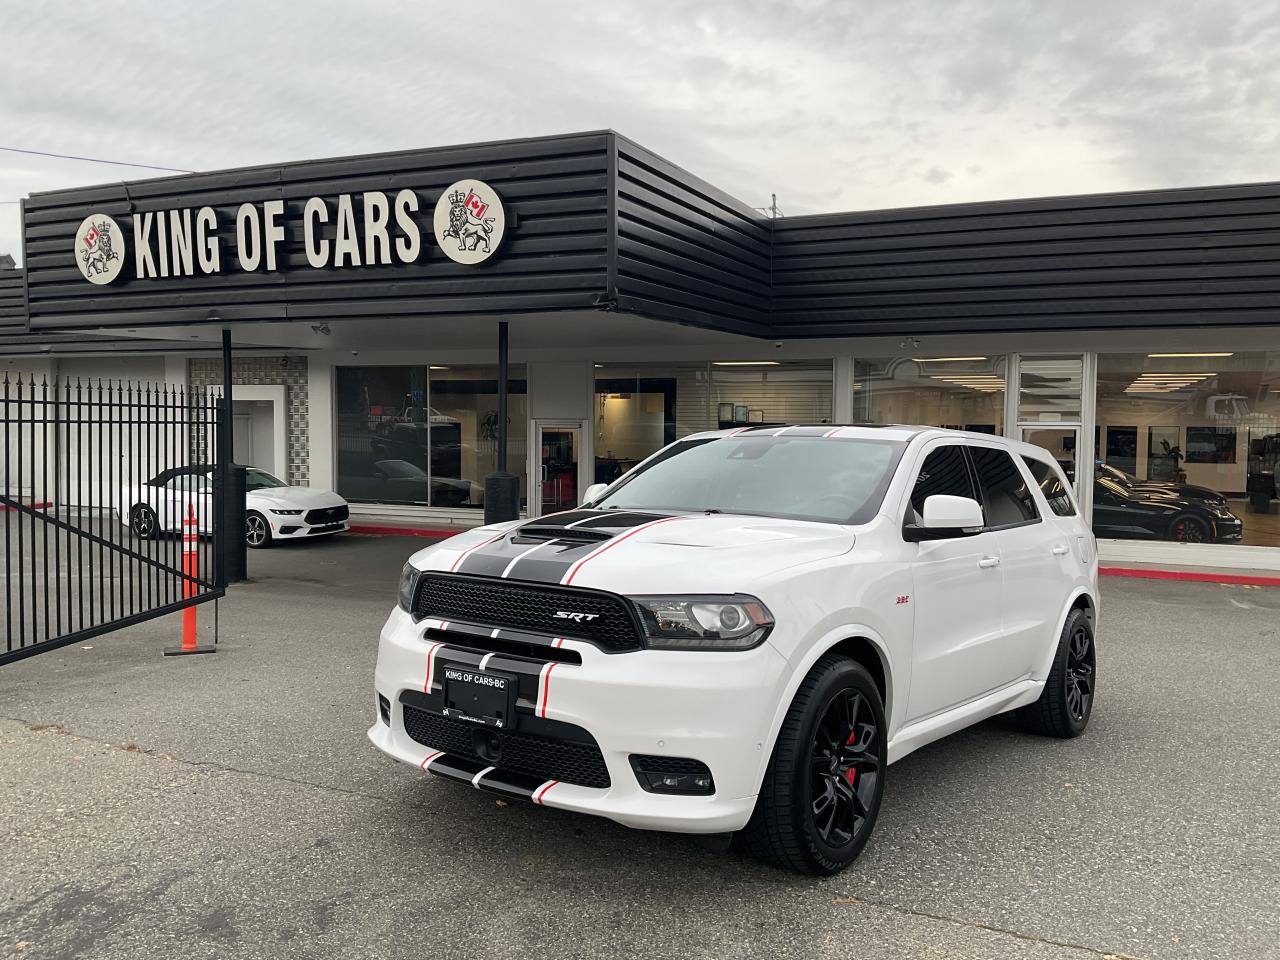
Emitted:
pixel 957 598
pixel 1031 554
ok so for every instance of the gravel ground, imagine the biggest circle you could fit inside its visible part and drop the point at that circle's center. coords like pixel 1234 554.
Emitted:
pixel 230 806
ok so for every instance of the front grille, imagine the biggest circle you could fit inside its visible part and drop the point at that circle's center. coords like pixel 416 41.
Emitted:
pixel 327 515
pixel 498 603
pixel 552 759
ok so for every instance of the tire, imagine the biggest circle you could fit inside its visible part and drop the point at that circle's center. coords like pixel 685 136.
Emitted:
pixel 1188 529
pixel 143 522
pixel 1064 707
pixel 257 532
pixel 816 759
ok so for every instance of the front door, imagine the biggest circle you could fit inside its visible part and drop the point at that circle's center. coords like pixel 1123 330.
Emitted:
pixel 556 452
pixel 958 599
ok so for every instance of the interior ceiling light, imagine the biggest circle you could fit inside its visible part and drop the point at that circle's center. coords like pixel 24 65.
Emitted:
pixel 1190 354
pixel 945 359
pixel 437 368
pixel 745 363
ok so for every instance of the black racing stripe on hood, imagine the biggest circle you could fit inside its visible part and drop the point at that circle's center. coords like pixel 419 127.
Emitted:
pixel 620 520
pixel 547 563
pixel 550 562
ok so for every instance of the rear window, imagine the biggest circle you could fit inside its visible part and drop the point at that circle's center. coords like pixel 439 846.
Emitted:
pixel 1052 486
pixel 1006 497
pixel 833 480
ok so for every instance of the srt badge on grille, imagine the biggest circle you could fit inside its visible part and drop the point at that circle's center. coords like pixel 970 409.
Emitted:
pixel 576 617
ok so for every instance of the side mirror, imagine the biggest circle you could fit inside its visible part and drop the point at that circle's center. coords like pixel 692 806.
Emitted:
pixel 946 517
pixel 593 492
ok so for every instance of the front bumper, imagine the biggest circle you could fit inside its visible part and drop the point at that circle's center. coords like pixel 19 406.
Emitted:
pixel 291 528
pixel 714 707
pixel 1226 530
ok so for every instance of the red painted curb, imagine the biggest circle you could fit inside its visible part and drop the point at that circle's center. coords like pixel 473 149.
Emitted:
pixel 34 506
pixel 406 531
pixel 1191 576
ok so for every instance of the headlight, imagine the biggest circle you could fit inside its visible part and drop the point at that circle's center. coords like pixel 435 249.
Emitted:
pixel 407 588
pixel 286 513
pixel 703 623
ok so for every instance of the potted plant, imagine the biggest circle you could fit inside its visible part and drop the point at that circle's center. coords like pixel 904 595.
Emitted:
pixel 1173 453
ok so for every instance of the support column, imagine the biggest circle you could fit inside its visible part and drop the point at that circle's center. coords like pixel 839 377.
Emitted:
pixel 501 488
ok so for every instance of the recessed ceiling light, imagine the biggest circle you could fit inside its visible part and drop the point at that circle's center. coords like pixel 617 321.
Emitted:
pixel 944 359
pixel 744 363
pixel 437 368
pixel 1190 354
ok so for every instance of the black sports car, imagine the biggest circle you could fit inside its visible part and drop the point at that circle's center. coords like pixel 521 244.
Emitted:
pixel 1153 510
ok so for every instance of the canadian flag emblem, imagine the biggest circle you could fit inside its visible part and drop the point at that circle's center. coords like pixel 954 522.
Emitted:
pixel 91 236
pixel 475 206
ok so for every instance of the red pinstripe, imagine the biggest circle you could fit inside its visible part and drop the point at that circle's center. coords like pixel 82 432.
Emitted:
pixel 470 550
pixel 542 791
pixel 431 653
pixel 573 571
pixel 429 757
pixel 545 688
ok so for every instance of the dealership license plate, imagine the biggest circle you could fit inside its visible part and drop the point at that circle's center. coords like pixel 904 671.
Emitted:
pixel 485 698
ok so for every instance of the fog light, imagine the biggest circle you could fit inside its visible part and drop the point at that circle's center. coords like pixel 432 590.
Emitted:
pixel 672 775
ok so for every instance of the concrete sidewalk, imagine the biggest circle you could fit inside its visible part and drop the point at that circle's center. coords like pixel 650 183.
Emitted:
pixel 230 806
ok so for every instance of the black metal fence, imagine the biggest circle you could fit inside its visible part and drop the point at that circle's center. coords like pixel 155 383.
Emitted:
pixel 100 479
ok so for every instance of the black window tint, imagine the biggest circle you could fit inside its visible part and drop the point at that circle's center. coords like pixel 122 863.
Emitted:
pixel 944 472
pixel 1051 485
pixel 1006 496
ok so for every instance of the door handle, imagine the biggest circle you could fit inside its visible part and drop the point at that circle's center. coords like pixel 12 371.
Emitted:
pixel 1060 550
pixel 988 561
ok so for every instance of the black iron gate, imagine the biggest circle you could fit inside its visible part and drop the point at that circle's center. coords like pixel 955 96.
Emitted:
pixel 99 478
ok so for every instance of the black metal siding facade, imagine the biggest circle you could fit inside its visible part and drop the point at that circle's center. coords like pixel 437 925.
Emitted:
pixel 13 313
pixel 1161 258
pixel 597 222
pixel 685 250
pixel 554 255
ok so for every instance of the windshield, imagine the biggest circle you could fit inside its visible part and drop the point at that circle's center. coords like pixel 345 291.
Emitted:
pixel 260 480
pixel 801 478
pixel 1118 475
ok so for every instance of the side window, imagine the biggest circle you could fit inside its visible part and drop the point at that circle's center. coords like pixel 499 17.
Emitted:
pixel 1007 498
pixel 1051 485
pixel 944 471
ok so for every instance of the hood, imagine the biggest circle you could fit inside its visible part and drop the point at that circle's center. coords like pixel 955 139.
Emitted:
pixel 635 552
pixel 294 498
pixel 1183 491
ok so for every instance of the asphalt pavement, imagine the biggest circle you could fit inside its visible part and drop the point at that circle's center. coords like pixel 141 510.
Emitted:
pixel 230 806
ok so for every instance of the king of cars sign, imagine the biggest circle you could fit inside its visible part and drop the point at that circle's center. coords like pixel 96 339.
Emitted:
pixel 368 229
pixel 100 248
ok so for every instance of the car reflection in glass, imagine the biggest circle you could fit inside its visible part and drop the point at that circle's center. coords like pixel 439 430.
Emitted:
pixel 1129 508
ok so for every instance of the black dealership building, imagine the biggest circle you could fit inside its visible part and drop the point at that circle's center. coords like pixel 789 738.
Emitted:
pixel 363 295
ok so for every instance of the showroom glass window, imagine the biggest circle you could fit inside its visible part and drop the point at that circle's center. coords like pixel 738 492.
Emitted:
pixel 640 408
pixel 425 435
pixel 1188 447
pixel 959 392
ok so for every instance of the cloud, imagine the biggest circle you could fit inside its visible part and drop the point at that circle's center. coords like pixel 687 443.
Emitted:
pixel 832 105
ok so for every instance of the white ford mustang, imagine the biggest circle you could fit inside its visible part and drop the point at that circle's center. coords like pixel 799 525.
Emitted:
pixel 274 510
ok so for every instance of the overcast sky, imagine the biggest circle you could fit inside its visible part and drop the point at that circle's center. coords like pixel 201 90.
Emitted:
pixel 832 105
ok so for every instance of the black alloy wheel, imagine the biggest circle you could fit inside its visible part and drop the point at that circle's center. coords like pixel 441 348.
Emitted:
pixel 844 768
pixel 1188 529
pixel 825 779
pixel 257 533
pixel 1066 702
pixel 1079 673
pixel 143 522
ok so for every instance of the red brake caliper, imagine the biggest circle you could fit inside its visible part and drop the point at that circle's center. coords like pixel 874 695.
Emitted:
pixel 851 773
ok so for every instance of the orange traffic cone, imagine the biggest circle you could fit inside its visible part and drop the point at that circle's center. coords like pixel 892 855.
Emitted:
pixel 190 570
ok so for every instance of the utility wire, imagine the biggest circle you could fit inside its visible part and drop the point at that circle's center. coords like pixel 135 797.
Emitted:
pixel 114 163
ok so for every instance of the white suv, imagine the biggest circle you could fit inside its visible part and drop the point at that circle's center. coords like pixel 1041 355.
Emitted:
pixel 745 630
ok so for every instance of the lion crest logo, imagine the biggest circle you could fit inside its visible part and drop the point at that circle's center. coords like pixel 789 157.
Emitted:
pixel 99 247
pixel 470 221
